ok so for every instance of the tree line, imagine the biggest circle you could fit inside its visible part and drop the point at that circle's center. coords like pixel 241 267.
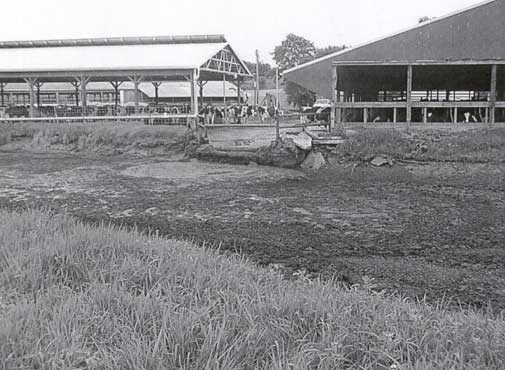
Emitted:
pixel 293 51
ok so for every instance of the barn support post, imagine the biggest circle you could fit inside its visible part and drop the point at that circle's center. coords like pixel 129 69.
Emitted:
pixel 83 83
pixel 116 85
pixel 409 97
pixel 194 101
pixel 201 84
pixel 76 85
pixel 31 82
pixel 334 92
pixel 201 95
pixel 239 100
pixel 38 86
pixel 136 92
pixel 492 95
pixel 224 99
pixel 156 92
pixel 2 88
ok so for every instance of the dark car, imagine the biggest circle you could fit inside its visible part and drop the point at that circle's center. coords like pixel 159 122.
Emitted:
pixel 323 114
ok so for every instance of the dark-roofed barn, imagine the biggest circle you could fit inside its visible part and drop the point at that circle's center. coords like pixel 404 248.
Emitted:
pixel 450 69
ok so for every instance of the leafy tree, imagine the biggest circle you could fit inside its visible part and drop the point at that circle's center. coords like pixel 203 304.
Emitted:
pixel 293 51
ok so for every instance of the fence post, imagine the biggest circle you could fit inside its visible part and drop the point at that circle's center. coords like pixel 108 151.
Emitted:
pixel 277 128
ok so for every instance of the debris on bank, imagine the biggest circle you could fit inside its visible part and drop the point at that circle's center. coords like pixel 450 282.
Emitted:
pixel 309 150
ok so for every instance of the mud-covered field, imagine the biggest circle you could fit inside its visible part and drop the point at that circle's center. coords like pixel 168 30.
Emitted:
pixel 435 230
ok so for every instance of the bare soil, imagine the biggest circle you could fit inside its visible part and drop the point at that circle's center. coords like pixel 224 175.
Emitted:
pixel 434 231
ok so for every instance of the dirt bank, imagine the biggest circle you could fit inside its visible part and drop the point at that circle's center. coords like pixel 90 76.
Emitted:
pixel 420 230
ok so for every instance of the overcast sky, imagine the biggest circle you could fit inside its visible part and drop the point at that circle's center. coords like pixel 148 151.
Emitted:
pixel 248 25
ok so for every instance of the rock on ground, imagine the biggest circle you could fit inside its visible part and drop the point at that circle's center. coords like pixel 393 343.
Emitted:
pixel 303 141
pixel 379 161
pixel 314 161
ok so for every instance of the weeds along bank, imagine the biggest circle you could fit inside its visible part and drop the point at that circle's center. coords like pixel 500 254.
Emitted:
pixel 111 138
pixel 474 146
pixel 74 296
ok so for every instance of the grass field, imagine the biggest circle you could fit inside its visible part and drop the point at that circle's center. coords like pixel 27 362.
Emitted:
pixel 93 136
pixel 80 297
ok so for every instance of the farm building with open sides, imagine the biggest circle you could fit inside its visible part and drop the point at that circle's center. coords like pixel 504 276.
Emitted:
pixel 106 76
pixel 449 69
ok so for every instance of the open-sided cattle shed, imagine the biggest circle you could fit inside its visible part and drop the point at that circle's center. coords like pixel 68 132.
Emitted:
pixel 139 60
pixel 449 69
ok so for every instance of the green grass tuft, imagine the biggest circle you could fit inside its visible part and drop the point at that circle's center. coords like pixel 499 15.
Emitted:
pixel 75 296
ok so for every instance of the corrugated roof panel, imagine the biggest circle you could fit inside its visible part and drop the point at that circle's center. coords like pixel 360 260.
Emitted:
pixel 183 90
pixel 84 58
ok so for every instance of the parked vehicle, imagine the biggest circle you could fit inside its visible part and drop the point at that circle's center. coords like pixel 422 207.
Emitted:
pixel 323 114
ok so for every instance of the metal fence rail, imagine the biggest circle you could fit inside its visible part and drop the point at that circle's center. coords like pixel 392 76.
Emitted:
pixel 165 119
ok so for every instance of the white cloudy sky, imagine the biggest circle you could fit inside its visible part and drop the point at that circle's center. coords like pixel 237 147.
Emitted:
pixel 248 25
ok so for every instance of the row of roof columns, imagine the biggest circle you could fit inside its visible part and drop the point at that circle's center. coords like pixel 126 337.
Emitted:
pixel 338 106
pixel 80 84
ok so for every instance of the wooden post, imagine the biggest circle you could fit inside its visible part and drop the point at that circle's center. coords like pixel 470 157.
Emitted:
pixel 200 85
pixel 492 96
pixel 194 101
pixel 277 128
pixel 224 99
pixel 116 85
pixel 338 117
pixel 239 100
pixel 425 115
pixel 455 117
pixel 334 97
pixel 2 87
pixel 83 82
pixel 409 96
pixel 395 115
pixel 31 81
pixel 365 116
pixel 156 92
pixel 75 84
pixel 136 92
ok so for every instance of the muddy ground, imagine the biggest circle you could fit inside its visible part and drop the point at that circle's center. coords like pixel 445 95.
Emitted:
pixel 434 230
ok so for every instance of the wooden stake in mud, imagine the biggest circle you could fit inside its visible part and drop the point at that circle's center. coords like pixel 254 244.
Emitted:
pixel 277 127
pixel 334 97
pixel 409 97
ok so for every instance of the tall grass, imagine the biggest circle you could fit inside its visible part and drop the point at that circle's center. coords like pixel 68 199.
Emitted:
pixel 74 296
pixel 92 135
pixel 479 145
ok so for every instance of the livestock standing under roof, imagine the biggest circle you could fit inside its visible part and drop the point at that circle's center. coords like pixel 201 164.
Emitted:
pixel 193 59
pixel 423 73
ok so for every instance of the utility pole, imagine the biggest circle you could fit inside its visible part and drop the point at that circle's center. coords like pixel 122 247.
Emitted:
pixel 277 87
pixel 257 78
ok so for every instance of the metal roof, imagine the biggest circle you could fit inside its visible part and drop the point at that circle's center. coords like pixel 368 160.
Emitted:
pixel 112 57
pixel 109 41
pixel 472 34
